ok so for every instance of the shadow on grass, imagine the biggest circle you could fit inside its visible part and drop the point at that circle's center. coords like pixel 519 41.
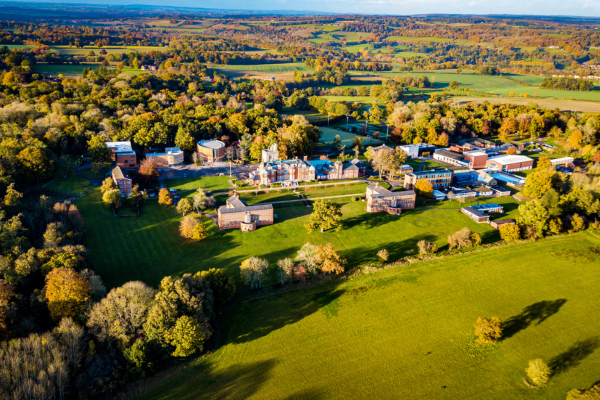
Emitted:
pixel 574 355
pixel 539 312
pixel 239 381
pixel 251 325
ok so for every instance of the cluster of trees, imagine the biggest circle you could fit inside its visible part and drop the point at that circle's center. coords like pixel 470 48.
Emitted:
pixel 438 122
pixel 310 260
pixel 562 203
pixel 567 84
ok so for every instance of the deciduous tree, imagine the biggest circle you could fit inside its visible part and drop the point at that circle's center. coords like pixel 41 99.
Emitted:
pixel 510 232
pixel 538 372
pixel 253 271
pixel 67 293
pixel 285 271
pixel 329 260
pixel 326 215
pixel 164 197
pixel 148 171
pixel 488 330
pixel 424 188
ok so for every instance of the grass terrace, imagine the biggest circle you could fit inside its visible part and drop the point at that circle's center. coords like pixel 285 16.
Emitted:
pixel 151 248
pixel 409 330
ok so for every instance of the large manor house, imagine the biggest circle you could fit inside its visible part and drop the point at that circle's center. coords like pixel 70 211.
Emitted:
pixel 291 172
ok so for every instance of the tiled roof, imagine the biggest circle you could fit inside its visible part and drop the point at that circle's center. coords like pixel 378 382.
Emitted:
pixel 120 173
pixel 223 210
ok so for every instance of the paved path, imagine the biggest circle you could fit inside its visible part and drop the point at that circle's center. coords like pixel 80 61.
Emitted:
pixel 421 166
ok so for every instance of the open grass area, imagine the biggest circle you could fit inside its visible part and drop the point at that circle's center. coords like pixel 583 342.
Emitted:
pixel 499 85
pixel 347 138
pixel 311 115
pixel 151 248
pixel 210 183
pixel 280 68
pixel 65 69
pixel 408 332
pixel 110 50
pixel 71 184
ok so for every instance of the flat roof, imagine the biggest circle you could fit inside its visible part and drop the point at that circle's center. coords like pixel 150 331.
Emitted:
pixel 507 160
pixel 212 144
pixel 449 154
pixel 475 212
pixel 119 147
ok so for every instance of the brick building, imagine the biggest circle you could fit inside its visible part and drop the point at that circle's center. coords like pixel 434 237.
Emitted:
pixel 440 178
pixel 237 214
pixel 123 154
pixel 121 178
pixel 510 163
pixel 476 159
pixel 328 170
pixel 450 157
pixel 172 156
pixel 380 199
pixel 211 150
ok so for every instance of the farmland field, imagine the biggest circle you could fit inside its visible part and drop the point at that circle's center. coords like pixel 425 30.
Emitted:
pixel 109 50
pixel 408 332
pixel 151 247
pixel 499 85
pixel 268 68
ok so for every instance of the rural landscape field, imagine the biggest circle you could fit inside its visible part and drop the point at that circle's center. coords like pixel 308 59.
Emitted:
pixel 241 202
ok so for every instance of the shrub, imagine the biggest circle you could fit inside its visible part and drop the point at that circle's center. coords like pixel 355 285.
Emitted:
pixel 426 247
pixel 488 330
pixel 538 372
pixel 464 238
pixel 582 394
pixel 510 232
pixel 383 255
pixel 354 198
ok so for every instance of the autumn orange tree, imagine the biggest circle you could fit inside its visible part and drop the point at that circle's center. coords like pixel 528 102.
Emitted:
pixel 424 188
pixel 328 259
pixel 67 292
pixel 164 197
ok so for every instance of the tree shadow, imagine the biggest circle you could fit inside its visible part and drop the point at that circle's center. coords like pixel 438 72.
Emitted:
pixel 309 394
pixel 539 312
pixel 574 355
pixel 238 381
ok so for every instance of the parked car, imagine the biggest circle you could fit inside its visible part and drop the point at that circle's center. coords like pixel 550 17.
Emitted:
pixel 185 175
pixel 172 191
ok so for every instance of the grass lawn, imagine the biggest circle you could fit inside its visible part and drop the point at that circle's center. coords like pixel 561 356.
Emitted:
pixel 211 183
pixel 65 69
pixel 310 115
pixel 407 333
pixel 71 184
pixel 280 68
pixel 151 248
pixel 347 138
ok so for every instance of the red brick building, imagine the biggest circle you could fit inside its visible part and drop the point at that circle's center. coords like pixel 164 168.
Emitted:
pixel 236 214
pixel 477 158
pixel 121 178
pixel 123 154
pixel 512 163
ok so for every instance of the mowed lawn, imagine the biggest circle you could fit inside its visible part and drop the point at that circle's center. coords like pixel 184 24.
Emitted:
pixel 407 333
pixel 149 247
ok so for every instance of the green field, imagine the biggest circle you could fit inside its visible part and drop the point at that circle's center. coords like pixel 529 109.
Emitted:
pixel 151 247
pixel 210 183
pixel 71 70
pixel 310 115
pixel 281 68
pixel 347 138
pixel 110 50
pixel 498 85
pixel 407 333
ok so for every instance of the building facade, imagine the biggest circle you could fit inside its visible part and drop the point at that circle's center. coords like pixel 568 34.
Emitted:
pixel 450 157
pixel 236 214
pixel 270 155
pixel 123 154
pixel 380 199
pixel 211 150
pixel 439 178
pixel 475 159
pixel 510 163
pixel 418 150
pixel 123 181
pixel 171 157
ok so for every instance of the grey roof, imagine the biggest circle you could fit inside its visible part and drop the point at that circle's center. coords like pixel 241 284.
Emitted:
pixel 449 154
pixel 383 192
pixel 120 173
pixel 382 147
pixel 223 210
pixel 475 212
pixel 235 202
pixel 355 161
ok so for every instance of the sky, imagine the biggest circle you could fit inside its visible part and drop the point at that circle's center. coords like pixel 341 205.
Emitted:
pixel 588 8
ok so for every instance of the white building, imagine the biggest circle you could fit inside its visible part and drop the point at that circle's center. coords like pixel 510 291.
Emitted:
pixel 562 161
pixel 418 150
pixel 271 154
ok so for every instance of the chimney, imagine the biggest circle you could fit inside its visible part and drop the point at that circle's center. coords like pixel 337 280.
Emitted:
pixel 376 184
pixel 305 158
